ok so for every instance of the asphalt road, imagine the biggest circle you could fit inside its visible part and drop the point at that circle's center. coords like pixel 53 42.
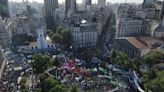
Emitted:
pixel 2 68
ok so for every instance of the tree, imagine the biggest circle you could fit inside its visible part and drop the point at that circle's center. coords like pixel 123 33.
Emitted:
pixel 49 83
pixel 23 82
pixel 67 37
pixel 136 64
pixel 155 84
pixel 121 59
pixel 113 56
pixel 74 89
pixel 53 89
pixel 154 57
pixel 55 62
pixel 50 22
pixel 61 30
pixel 24 90
pixel 58 88
pixel 61 35
pixel 52 85
pixel 50 33
pixel 57 38
pixel 38 90
pixel 40 63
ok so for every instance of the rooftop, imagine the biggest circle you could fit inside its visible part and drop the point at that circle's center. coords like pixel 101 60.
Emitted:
pixel 136 42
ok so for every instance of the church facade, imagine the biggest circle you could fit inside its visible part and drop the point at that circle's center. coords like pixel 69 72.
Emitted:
pixel 42 44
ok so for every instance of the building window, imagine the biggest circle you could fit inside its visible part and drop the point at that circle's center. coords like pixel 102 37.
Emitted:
pixel 36 47
pixel 32 48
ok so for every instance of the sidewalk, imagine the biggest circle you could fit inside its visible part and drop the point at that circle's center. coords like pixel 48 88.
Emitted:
pixel 2 68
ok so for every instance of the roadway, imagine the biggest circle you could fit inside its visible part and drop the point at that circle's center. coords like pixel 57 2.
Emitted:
pixel 2 68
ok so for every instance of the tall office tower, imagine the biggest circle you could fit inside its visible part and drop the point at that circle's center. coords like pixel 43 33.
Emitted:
pixel 87 3
pixel 162 15
pixel 50 6
pixel 148 3
pixel 4 4
pixel 101 3
pixel 70 7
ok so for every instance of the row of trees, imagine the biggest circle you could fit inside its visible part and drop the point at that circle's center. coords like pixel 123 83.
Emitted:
pixel 42 62
pixel 123 60
pixel 153 79
pixel 23 84
pixel 61 35
pixel 52 85
pixel 154 57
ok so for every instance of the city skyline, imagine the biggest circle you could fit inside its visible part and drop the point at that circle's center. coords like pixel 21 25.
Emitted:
pixel 93 1
pixel 81 45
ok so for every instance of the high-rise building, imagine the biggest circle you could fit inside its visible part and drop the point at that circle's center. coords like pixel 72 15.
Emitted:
pixel 159 31
pixel 84 34
pixel 87 3
pixel 5 39
pixel 101 3
pixel 50 6
pixel 162 14
pixel 2 1
pixel 70 7
pixel 67 5
pixel 4 4
pixel 131 26
pixel 148 3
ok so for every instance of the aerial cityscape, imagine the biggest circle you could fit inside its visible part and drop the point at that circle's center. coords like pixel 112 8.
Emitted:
pixel 81 46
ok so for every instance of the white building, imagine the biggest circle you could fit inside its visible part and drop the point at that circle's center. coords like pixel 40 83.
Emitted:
pixel 85 35
pixel 126 27
pixel 42 43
